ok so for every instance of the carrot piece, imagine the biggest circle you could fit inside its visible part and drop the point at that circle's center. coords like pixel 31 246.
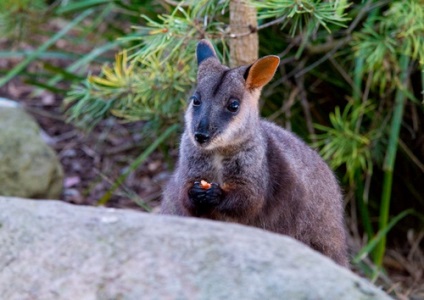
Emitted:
pixel 205 185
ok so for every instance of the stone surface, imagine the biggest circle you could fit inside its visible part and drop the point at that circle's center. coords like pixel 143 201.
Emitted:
pixel 54 250
pixel 28 167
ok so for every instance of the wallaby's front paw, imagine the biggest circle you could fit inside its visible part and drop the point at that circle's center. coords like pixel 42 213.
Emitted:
pixel 204 197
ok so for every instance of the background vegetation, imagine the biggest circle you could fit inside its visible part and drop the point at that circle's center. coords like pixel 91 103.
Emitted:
pixel 350 83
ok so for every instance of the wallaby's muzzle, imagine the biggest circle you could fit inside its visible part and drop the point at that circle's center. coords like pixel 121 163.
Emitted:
pixel 201 135
pixel 201 138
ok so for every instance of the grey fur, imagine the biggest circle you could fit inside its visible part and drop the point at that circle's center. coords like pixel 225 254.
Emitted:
pixel 270 178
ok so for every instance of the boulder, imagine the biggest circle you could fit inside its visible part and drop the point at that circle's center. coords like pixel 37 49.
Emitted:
pixel 28 166
pixel 55 250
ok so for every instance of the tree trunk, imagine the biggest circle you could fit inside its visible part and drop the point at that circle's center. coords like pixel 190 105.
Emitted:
pixel 244 37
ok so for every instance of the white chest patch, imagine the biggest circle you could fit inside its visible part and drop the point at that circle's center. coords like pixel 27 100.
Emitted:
pixel 217 164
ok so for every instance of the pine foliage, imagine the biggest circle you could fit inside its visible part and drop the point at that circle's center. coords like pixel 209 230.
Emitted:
pixel 17 15
pixel 161 60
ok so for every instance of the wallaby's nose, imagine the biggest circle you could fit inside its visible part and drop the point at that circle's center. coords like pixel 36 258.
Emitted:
pixel 201 137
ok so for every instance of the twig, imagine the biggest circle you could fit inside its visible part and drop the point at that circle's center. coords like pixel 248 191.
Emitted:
pixel 368 7
pixel 415 118
pixel 359 16
pixel 364 99
pixel 411 155
pixel 342 71
pixel 285 108
pixel 415 247
pixel 321 60
pixel 332 46
pixel 64 136
pixel 306 109
pixel 353 221
pixel 251 31
pixel 367 186
pixel 287 60
pixel 254 30
pixel 121 148
pixel 285 78
pixel 294 42
pixel 137 162
pixel 276 21
pixel 323 48
pixel 44 113
pixel 176 3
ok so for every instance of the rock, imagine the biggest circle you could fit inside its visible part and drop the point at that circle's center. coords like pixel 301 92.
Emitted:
pixel 28 167
pixel 54 250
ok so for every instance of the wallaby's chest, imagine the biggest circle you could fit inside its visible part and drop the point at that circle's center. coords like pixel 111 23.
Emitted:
pixel 217 168
pixel 222 168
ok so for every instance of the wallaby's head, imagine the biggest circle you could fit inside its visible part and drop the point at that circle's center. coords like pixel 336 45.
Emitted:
pixel 223 111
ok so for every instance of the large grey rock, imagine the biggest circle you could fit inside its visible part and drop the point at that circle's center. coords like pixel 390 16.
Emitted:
pixel 53 250
pixel 28 167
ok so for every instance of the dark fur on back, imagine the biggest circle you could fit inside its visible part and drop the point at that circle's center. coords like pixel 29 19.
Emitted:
pixel 267 177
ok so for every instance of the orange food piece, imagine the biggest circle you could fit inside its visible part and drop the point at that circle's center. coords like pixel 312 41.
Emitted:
pixel 205 185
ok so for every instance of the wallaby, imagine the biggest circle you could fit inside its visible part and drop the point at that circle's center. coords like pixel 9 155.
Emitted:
pixel 259 173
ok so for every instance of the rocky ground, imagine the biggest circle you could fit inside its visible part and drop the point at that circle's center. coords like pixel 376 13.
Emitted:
pixel 98 253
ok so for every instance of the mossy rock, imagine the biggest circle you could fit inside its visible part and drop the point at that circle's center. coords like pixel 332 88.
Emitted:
pixel 28 166
pixel 54 250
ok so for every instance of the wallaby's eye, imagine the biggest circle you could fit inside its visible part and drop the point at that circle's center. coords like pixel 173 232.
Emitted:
pixel 196 100
pixel 233 105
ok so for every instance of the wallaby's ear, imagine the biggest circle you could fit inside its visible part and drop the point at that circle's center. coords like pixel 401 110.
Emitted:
pixel 204 50
pixel 261 71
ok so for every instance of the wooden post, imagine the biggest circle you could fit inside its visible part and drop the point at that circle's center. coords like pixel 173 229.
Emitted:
pixel 244 41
